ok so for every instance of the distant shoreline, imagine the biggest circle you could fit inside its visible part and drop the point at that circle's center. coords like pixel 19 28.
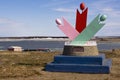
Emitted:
pixel 34 39
pixel 98 39
pixel 56 37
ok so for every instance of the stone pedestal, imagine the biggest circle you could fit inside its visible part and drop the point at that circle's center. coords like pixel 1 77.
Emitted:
pixel 88 49
pixel 80 58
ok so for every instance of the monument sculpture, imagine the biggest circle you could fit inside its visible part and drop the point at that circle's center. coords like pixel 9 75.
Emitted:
pixel 80 54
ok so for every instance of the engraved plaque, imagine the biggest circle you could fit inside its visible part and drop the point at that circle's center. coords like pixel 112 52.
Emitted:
pixel 78 49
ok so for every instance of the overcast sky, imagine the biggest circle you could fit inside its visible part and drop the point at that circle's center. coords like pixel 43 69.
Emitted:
pixel 37 17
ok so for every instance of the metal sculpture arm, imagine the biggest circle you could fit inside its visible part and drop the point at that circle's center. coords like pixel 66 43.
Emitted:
pixel 90 30
pixel 67 29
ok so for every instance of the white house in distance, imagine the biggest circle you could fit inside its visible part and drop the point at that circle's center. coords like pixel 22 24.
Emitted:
pixel 15 48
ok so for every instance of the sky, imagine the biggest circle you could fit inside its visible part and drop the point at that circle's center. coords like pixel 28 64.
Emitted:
pixel 37 17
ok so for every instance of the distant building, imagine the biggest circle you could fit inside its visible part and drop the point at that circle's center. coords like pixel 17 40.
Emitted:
pixel 15 48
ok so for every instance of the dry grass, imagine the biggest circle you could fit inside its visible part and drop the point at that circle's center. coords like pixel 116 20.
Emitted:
pixel 30 65
pixel 22 64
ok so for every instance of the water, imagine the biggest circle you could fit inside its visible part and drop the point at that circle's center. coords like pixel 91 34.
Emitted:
pixel 30 44
pixel 108 46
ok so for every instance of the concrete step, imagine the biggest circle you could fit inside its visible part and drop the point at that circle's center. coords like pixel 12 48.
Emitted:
pixel 82 68
pixel 98 60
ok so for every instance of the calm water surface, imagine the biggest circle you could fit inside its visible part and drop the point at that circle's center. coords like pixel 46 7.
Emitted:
pixel 29 44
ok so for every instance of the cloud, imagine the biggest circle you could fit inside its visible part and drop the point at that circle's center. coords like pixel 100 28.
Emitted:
pixel 107 9
pixel 109 31
pixel 55 3
pixel 63 10
pixel 117 24
pixel 111 9
pixel 9 27
pixel 6 21
pixel 107 6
